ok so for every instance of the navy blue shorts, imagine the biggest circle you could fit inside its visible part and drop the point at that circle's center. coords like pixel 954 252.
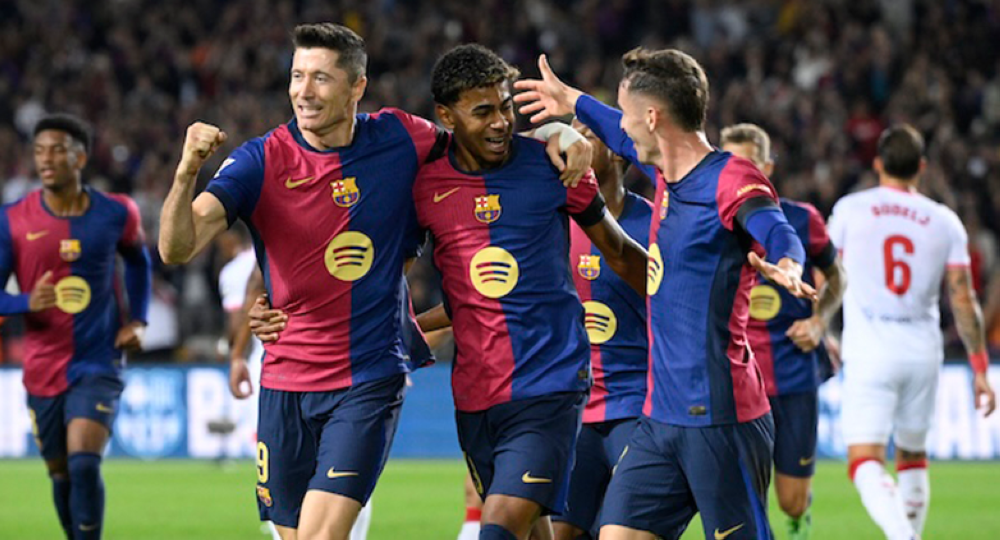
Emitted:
pixel 667 473
pixel 597 452
pixel 335 442
pixel 795 419
pixel 94 397
pixel 524 448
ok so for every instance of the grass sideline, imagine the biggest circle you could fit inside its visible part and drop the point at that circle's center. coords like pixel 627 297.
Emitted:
pixel 423 500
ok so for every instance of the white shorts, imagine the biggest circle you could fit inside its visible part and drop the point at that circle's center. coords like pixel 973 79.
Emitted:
pixel 883 398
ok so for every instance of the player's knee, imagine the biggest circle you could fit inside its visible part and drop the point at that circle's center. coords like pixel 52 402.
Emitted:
pixel 794 504
pixel 909 456
pixel 58 468
pixel 84 466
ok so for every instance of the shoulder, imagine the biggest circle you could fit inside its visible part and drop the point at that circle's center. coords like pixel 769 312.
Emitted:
pixel 641 206
pixel 949 216
pixel 530 152
pixel 790 207
pixel 850 201
pixel 743 178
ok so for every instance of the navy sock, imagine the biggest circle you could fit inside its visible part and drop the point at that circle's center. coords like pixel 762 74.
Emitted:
pixel 495 532
pixel 60 494
pixel 86 495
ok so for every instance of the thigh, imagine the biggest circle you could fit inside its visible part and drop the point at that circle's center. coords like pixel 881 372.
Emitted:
pixel 915 410
pixel 869 404
pixel 535 447
pixel 286 457
pixel 355 432
pixel 728 469
pixel 795 418
pixel 649 491
pixel 91 406
pixel 589 479
pixel 48 425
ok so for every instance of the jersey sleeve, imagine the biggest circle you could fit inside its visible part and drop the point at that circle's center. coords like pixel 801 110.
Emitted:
pixel 739 182
pixel 819 249
pixel 237 183
pixel 429 140
pixel 132 235
pixel 10 304
pixel 605 122
pixel 958 249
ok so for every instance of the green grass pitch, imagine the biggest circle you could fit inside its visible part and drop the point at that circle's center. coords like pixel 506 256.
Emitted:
pixel 423 500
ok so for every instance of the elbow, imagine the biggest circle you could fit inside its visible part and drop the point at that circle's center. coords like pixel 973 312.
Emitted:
pixel 171 255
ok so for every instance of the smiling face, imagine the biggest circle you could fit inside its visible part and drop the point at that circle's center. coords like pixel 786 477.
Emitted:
pixel 637 121
pixel 483 122
pixel 59 159
pixel 322 94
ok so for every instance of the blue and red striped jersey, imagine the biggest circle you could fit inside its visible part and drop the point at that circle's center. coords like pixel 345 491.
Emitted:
pixel 501 244
pixel 702 371
pixel 332 230
pixel 615 319
pixel 786 368
pixel 77 337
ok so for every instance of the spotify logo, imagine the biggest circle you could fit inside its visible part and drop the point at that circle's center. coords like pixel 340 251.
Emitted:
pixel 600 322
pixel 655 274
pixel 493 272
pixel 765 302
pixel 72 294
pixel 349 256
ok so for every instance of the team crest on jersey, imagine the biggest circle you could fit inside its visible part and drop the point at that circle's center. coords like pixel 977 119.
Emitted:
pixel 264 494
pixel 590 266
pixel 488 208
pixel 345 192
pixel 665 204
pixel 70 249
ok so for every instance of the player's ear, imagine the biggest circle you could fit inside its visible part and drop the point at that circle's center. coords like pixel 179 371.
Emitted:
pixel 923 166
pixel 877 164
pixel 358 89
pixel 80 157
pixel 768 168
pixel 445 116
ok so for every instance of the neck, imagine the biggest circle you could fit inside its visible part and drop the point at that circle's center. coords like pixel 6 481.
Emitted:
pixel 892 182
pixel 469 163
pixel 680 153
pixel 338 135
pixel 613 190
pixel 67 201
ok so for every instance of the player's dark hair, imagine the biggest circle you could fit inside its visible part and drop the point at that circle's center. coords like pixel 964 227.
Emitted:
pixel 672 77
pixel 76 127
pixel 467 67
pixel 353 57
pixel 901 148
pixel 748 133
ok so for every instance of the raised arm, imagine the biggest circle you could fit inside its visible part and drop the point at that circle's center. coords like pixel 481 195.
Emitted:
pixel 969 320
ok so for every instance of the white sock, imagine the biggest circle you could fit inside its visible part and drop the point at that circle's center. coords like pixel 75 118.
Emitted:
pixel 360 529
pixel 274 532
pixel 880 498
pixel 915 490
pixel 470 531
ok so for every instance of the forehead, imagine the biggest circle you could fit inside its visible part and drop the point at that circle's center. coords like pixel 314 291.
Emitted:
pixel 53 137
pixel 315 58
pixel 494 94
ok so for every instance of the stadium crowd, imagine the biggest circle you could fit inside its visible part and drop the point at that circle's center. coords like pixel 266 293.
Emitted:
pixel 823 77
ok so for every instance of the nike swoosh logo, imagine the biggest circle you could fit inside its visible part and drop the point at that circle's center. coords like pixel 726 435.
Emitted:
pixel 32 236
pixel 334 474
pixel 438 197
pixel 88 528
pixel 528 479
pixel 725 534
pixel 806 461
pixel 292 184
pixel 104 408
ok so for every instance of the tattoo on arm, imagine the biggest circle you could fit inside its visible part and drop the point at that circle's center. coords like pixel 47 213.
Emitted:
pixel 965 306
pixel 832 294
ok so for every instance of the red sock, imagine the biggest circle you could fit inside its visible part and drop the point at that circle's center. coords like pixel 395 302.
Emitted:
pixel 853 466
pixel 473 514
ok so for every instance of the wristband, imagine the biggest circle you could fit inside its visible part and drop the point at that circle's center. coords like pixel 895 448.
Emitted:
pixel 568 135
pixel 979 362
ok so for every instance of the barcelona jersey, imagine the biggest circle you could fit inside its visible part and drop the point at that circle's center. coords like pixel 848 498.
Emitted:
pixel 332 230
pixel 77 337
pixel 773 310
pixel 615 319
pixel 501 243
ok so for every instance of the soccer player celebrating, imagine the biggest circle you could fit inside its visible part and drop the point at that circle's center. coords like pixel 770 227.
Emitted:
pixel 315 193
pixel 704 443
pixel 497 212
pixel 60 242
pixel 898 246
pixel 786 336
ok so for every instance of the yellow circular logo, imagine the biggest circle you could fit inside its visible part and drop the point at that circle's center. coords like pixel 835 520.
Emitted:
pixel 72 294
pixel 349 256
pixel 655 274
pixel 765 302
pixel 600 321
pixel 493 272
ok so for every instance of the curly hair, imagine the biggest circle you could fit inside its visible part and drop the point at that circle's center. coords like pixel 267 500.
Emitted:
pixel 466 67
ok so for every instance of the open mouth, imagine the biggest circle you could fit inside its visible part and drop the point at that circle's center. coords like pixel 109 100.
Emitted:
pixel 308 111
pixel 497 144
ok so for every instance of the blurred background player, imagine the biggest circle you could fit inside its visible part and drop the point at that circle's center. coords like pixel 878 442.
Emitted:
pixel 615 319
pixel 60 242
pixel 786 335
pixel 898 246
pixel 705 441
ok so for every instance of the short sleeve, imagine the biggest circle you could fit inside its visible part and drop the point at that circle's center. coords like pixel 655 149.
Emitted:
pixel 835 227
pixel 427 138
pixel 958 249
pixel 237 183
pixel 739 182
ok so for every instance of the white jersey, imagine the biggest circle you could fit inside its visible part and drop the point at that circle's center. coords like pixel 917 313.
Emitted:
pixel 233 281
pixel 896 246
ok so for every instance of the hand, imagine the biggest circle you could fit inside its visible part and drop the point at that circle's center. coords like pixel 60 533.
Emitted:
pixel 787 273
pixel 548 97
pixel 130 336
pixel 266 323
pixel 578 159
pixel 43 296
pixel 807 334
pixel 986 400
pixel 201 141
pixel 239 378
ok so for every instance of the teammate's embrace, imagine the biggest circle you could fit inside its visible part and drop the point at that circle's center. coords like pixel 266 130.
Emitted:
pixel 898 246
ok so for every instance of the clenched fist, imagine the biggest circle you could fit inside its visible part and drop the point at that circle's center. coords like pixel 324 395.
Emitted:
pixel 201 141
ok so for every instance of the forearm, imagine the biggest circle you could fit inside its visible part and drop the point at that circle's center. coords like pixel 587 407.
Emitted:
pixel 968 317
pixel 177 228
pixel 435 318
pixel 631 264
pixel 605 122
pixel 832 294
pixel 14 304
pixel 768 226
